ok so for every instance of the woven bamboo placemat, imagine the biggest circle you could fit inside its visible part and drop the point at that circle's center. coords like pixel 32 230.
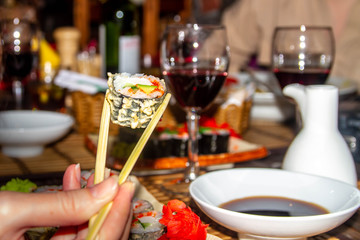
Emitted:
pixel 71 149
pixel 55 158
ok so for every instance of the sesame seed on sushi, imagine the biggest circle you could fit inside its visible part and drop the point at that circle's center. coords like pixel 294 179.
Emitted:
pixel 134 99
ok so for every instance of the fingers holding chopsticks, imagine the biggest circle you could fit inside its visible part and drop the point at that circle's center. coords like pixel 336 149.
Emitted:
pixel 69 209
pixel 117 223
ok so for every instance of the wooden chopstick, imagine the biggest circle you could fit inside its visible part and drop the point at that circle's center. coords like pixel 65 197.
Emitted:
pixel 102 142
pixel 125 172
pixel 102 146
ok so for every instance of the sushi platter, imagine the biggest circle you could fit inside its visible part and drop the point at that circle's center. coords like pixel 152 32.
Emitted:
pixel 238 150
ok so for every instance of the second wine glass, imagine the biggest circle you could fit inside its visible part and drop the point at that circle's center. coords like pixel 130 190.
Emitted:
pixel 19 44
pixel 302 54
pixel 194 62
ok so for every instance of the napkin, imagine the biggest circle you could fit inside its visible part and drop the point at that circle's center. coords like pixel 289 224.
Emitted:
pixel 74 81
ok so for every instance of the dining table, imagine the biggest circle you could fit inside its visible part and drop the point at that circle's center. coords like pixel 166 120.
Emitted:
pixel 48 169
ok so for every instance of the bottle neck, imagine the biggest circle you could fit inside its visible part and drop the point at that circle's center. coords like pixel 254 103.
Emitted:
pixel 321 109
pixel 124 14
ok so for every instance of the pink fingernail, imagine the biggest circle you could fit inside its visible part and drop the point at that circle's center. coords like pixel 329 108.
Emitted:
pixel 78 172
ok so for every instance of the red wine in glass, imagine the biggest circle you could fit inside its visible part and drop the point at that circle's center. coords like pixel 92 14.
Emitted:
pixel 194 63
pixel 302 55
pixel 19 44
pixel 195 89
pixel 16 65
pixel 308 77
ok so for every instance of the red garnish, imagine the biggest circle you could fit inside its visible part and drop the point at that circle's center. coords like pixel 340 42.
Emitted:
pixel 155 82
pixel 181 222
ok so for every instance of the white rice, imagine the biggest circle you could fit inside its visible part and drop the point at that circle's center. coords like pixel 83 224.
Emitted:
pixel 152 220
pixel 123 79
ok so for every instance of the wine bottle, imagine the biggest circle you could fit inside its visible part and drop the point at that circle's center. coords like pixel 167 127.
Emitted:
pixel 119 37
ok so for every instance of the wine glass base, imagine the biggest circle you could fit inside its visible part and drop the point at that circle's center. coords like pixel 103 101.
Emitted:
pixel 177 186
pixel 244 236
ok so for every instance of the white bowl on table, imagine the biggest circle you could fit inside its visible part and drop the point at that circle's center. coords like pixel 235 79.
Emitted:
pixel 212 189
pixel 24 133
pixel 267 106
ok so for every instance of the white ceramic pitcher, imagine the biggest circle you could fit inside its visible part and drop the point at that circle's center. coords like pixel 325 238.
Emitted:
pixel 319 148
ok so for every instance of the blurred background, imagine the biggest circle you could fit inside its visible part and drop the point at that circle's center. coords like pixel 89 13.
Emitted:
pixel 148 18
pixel 82 37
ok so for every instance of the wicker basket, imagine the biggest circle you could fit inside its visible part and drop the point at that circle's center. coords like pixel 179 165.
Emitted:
pixel 87 110
pixel 238 117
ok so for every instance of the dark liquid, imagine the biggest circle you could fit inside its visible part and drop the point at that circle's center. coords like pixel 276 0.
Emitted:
pixel 195 89
pixel 308 77
pixel 274 206
pixel 18 65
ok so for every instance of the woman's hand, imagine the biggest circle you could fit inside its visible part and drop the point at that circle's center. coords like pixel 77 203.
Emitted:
pixel 69 209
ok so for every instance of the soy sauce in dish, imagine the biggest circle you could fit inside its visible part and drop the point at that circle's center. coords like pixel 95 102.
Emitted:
pixel 274 206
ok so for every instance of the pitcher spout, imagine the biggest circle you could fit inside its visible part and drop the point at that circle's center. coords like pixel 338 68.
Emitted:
pixel 297 92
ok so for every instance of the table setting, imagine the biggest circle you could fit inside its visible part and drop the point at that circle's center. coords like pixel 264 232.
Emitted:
pixel 134 116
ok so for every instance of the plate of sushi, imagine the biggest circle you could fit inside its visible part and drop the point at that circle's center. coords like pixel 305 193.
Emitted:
pixel 151 219
pixel 133 101
pixel 166 150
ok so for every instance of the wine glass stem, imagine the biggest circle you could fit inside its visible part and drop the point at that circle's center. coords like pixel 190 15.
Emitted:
pixel 192 167
pixel 17 89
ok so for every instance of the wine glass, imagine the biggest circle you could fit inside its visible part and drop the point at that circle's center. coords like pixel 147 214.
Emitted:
pixel 303 55
pixel 194 62
pixel 17 40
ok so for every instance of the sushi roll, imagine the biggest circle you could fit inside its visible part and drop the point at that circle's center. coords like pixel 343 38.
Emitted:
pixel 180 145
pixel 146 226
pixel 223 136
pixel 134 99
pixel 208 142
pixel 140 205
pixel 214 141
pixel 165 146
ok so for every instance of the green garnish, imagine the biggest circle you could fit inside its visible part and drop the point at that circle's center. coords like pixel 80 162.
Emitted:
pixel 19 185
pixel 146 88
pixel 128 85
pixel 135 89
pixel 144 225
pixel 202 130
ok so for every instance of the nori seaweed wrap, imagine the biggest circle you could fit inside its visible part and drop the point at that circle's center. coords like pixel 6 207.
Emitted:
pixel 134 99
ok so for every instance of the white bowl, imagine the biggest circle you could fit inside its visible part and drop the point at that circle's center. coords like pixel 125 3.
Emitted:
pixel 24 133
pixel 215 188
pixel 266 105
